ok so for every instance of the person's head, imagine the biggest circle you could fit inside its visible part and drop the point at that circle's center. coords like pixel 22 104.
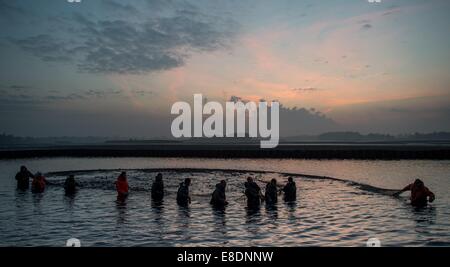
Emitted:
pixel 38 174
pixel 122 176
pixel 159 177
pixel 290 180
pixel 23 168
pixel 223 184
pixel 71 177
pixel 187 181
pixel 273 181
pixel 249 179
pixel 418 183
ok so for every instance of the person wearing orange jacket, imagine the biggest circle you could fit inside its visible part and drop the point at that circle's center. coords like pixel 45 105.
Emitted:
pixel 420 194
pixel 38 184
pixel 122 185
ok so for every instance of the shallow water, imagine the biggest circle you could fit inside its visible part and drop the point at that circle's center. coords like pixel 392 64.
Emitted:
pixel 327 212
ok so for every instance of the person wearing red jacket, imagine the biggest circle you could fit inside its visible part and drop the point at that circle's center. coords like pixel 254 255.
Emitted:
pixel 122 185
pixel 38 184
pixel 420 194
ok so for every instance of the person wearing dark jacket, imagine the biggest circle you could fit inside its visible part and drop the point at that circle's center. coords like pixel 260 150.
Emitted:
pixel 290 190
pixel 271 195
pixel 158 188
pixel 218 198
pixel 183 197
pixel 23 178
pixel 253 193
pixel 70 185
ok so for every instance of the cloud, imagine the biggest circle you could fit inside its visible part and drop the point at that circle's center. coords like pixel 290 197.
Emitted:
pixel 142 93
pixel 306 89
pixel 366 26
pixel 125 46
pixel 66 97
pixel 300 121
pixel 9 10
pixel 102 93
pixel 14 87
pixel 45 47
pixel 19 87
pixel 116 6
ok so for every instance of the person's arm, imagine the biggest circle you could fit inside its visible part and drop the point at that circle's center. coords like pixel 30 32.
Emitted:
pixel 430 195
pixel 407 188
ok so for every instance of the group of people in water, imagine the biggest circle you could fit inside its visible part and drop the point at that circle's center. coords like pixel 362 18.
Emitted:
pixel 218 198
pixel 420 194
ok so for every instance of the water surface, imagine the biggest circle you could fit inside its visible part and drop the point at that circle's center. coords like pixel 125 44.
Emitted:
pixel 327 212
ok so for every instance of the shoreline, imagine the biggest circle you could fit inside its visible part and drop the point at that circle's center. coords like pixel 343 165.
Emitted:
pixel 300 151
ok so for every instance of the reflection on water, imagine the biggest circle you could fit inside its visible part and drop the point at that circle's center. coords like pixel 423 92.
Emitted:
pixel 121 206
pixel 424 216
pixel 69 200
pixel 326 213
pixel 272 211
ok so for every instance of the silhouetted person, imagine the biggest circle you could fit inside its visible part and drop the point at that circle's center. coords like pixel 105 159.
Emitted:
pixel 218 198
pixel 158 188
pixel 290 190
pixel 23 178
pixel 271 195
pixel 38 184
pixel 420 194
pixel 183 197
pixel 70 185
pixel 122 185
pixel 253 193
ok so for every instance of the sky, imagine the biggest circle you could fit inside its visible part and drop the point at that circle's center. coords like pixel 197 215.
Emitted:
pixel 114 68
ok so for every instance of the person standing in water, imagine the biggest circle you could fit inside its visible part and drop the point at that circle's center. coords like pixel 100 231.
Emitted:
pixel 158 188
pixel 253 193
pixel 290 190
pixel 38 184
pixel 271 195
pixel 218 198
pixel 183 197
pixel 122 185
pixel 70 185
pixel 420 194
pixel 23 178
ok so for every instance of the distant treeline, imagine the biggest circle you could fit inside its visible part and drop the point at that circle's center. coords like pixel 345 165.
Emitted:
pixel 355 136
pixel 7 139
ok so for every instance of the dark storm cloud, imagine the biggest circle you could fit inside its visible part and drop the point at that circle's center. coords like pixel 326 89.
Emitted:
pixel 126 46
